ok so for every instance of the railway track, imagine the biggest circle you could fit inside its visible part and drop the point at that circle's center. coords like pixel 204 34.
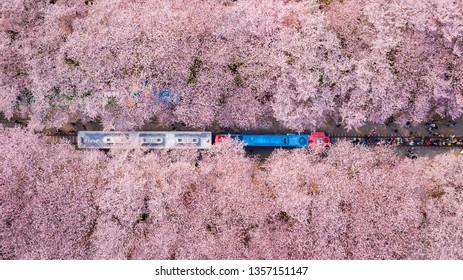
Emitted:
pixel 372 140
pixel 400 141
pixel 14 122
pixel 403 141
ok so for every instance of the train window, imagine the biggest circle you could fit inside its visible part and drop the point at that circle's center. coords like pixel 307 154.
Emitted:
pixel 179 140
pixel 158 140
pixel 284 140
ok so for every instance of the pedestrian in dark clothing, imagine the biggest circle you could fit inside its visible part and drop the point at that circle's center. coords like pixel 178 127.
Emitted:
pixel 451 123
pixel 389 121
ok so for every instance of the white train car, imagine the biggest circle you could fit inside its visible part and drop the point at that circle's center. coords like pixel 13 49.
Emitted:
pixel 144 139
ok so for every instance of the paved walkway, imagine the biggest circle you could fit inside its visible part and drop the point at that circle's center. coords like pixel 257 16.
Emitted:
pixel 444 127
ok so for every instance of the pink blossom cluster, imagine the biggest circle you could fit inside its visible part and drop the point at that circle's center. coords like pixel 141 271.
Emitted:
pixel 243 64
pixel 357 203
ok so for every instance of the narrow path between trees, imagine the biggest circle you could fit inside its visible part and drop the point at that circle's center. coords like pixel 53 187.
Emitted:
pixel 427 139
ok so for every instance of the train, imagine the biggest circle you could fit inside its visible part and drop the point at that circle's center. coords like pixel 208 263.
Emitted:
pixel 146 139
pixel 196 139
pixel 290 140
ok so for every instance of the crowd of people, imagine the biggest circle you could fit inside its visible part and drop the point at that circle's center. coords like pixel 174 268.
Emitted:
pixel 433 138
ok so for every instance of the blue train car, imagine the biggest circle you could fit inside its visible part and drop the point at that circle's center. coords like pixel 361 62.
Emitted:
pixel 265 140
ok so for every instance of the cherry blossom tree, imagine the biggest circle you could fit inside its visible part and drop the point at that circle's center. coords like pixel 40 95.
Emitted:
pixel 47 197
pixel 312 66
pixel 356 202
pixel 442 213
pixel 190 48
pixel 398 70
pixel 142 205
pixel 239 64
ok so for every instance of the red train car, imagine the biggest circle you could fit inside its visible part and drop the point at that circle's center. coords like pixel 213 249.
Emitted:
pixel 319 139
